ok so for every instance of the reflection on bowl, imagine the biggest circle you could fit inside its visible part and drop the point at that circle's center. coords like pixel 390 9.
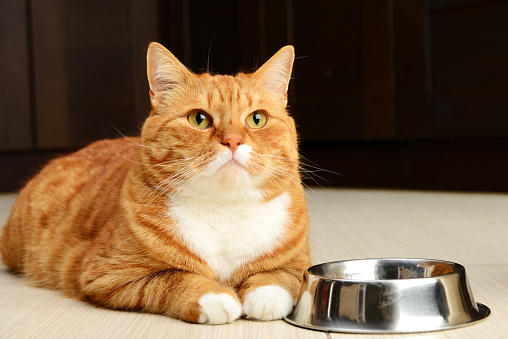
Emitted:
pixel 386 296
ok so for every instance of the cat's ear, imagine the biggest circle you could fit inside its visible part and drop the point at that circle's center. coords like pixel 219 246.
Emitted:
pixel 275 74
pixel 165 72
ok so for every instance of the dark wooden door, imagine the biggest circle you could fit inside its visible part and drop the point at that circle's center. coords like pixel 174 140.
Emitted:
pixel 451 68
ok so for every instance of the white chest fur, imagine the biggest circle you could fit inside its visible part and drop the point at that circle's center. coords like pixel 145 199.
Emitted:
pixel 228 235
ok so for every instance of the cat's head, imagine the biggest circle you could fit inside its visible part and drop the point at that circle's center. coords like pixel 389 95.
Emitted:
pixel 219 132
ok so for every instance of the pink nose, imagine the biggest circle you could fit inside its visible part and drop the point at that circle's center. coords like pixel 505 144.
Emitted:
pixel 232 142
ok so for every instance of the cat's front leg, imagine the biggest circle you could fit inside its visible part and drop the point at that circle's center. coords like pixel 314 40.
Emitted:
pixel 178 294
pixel 270 295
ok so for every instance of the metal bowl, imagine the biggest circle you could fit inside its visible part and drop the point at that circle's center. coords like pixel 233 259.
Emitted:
pixel 386 296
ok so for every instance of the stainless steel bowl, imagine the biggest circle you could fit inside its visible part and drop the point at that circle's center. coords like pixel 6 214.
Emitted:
pixel 386 296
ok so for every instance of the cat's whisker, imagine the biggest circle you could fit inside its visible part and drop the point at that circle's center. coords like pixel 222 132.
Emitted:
pixel 275 173
pixel 162 187
pixel 140 163
pixel 307 160
pixel 318 169
pixel 301 164
pixel 155 193
pixel 208 58
pixel 308 188
pixel 311 173
pixel 188 182
pixel 310 176
pixel 130 140
pixel 275 179
pixel 282 171
pixel 179 176
pixel 145 204
pixel 309 196
pixel 165 167
pixel 203 163
pixel 271 170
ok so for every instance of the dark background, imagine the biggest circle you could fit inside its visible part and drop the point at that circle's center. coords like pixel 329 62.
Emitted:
pixel 387 93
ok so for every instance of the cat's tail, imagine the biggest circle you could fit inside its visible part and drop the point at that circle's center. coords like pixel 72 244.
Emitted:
pixel 11 248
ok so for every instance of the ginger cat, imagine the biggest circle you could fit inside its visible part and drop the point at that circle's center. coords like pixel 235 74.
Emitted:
pixel 203 218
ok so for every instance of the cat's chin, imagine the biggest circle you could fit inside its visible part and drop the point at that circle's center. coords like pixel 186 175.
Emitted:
pixel 232 168
pixel 232 172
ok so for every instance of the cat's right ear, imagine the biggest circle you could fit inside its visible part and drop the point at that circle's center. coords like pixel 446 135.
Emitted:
pixel 275 74
pixel 165 73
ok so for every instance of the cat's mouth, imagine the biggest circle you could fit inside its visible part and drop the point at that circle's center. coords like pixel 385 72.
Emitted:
pixel 235 162
pixel 232 166
pixel 231 170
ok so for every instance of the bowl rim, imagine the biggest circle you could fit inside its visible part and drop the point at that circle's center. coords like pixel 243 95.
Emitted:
pixel 460 269
pixel 483 312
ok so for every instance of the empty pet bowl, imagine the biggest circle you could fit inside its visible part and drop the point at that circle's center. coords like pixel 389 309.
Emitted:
pixel 386 296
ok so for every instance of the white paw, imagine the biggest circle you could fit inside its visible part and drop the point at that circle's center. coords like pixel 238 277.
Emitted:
pixel 268 303
pixel 218 309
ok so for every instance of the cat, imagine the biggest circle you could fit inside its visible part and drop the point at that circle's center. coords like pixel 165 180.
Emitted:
pixel 202 218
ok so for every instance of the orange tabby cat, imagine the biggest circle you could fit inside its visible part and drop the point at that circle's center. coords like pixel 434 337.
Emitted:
pixel 203 218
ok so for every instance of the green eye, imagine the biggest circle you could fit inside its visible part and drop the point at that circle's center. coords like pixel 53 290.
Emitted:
pixel 256 119
pixel 199 119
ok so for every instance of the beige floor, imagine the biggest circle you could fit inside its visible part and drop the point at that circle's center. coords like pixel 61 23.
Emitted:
pixel 471 229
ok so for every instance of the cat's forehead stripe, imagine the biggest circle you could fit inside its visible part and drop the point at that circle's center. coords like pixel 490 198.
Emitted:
pixel 228 90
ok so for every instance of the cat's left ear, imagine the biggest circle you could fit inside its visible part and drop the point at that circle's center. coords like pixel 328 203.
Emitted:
pixel 275 74
pixel 165 73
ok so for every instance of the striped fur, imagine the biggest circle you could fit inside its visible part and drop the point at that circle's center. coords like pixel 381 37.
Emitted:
pixel 148 223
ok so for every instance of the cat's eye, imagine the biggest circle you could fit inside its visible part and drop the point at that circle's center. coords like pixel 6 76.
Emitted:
pixel 256 119
pixel 199 119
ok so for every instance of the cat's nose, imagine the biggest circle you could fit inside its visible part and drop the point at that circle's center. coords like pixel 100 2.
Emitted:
pixel 232 142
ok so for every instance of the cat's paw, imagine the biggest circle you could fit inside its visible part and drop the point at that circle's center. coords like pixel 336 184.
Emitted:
pixel 268 303
pixel 219 309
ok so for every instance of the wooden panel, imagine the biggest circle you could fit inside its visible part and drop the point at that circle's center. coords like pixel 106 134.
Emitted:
pixel 174 28
pixel 470 112
pixel 50 73
pixel 469 45
pixel 144 28
pixel 252 30
pixel 99 70
pixel 469 73
pixel 328 86
pixel 214 36
pixel 411 69
pixel 263 30
pixel 451 72
pixel 15 120
pixel 378 74
pixel 275 27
